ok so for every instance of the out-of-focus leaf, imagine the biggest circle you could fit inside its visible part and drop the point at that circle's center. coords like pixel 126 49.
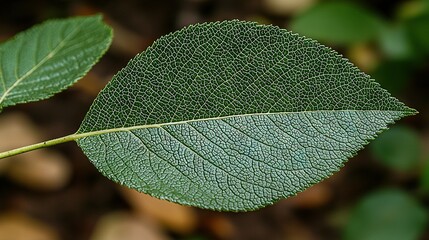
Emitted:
pixel 337 23
pixel 424 179
pixel 388 214
pixel 399 148
pixel 418 29
pixel 426 5
pixel 393 75
pixel 411 8
pixel 395 42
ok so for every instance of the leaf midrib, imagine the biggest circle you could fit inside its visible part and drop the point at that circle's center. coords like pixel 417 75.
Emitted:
pixel 77 135
pixel 49 56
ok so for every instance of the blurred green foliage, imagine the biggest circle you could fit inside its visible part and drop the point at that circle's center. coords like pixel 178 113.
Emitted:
pixel 393 75
pixel 337 23
pixel 388 214
pixel 418 28
pixel 399 148
pixel 395 42
pixel 424 179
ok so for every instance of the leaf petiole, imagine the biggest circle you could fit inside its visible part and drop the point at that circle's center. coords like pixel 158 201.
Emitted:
pixel 71 137
pixel 44 144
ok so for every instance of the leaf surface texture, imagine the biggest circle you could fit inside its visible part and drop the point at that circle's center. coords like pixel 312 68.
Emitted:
pixel 50 57
pixel 233 116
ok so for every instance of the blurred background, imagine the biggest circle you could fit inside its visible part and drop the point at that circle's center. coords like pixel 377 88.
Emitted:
pixel 383 193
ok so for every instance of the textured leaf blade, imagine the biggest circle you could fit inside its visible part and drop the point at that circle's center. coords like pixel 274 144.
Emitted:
pixel 233 116
pixel 50 57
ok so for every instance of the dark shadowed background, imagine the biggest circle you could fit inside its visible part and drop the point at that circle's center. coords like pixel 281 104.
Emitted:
pixel 382 193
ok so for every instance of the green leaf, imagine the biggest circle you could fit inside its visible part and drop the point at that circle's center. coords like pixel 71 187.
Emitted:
pixel 233 116
pixel 337 23
pixel 400 148
pixel 388 214
pixel 50 57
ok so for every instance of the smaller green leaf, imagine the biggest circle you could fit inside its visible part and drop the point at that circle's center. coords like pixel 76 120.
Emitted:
pixel 398 148
pixel 337 23
pixel 388 214
pixel 50 57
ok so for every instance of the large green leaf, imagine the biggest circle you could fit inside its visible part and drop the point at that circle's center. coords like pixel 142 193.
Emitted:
pixel 233 116
pixel 49 57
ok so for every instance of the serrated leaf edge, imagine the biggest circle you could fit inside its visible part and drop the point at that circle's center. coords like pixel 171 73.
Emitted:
pixel 98 17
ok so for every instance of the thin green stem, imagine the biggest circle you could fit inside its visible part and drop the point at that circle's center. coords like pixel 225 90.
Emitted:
pixel 69 138
pixel 44 144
